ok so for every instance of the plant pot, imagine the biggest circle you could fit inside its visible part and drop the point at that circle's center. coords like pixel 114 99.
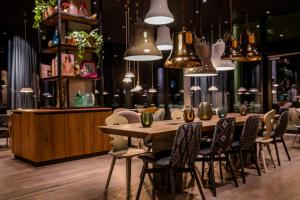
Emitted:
pixel 146 119
pixel 205 111
pixel 188 115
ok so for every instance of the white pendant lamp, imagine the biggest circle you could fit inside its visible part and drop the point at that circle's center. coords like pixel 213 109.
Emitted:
pixel 195 88
pixel 213 89
pixel 152 89
pixel 159 13
pixel 163 40
pixel 218 49
pixel 138 87
pixel 127 80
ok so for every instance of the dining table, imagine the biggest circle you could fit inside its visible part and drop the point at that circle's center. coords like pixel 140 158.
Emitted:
pixel 161 133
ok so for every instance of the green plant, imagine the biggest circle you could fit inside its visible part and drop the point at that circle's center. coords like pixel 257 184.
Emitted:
pixel 40 8
pixel 85 40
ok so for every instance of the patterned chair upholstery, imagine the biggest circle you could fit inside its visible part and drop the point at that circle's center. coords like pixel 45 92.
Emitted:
pixel 221 143
pixel 185 149
pixel 246 142
pixel 177 115
pixel 279 133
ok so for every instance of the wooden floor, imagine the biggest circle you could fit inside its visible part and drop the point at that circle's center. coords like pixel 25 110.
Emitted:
pixel 85 179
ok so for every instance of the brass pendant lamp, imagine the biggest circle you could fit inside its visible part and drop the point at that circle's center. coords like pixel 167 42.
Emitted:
pixel 142 47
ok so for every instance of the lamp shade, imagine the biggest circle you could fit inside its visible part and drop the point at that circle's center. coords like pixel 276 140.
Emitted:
pixel 163 40
pixel 142 47
pixel 253 90
pixel 213 88
pixel 127 80
pixel 26 90
pixel 183 54
pixel 137 88
pixel 195 88
pixel 247 50
pixel 218 49
pixel 159 13
pixel 242 89
pixel 231 48
pixel 129 74
pixel 105 93
pixel 152 90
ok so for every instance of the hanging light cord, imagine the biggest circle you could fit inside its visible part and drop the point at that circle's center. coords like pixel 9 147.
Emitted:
pixel 138 71
pixel 152 73
pixel 182 12
pixel 230 16
pixel 126 34
pixel 128 31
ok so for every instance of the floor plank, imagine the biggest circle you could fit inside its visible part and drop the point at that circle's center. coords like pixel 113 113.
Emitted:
pixel 85 179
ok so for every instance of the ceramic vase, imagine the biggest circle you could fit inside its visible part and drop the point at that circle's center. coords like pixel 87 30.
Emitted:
pixel 243 110
pixel 222 112
pixel 72 8
pixel 146 119
pixel 205 111
pixel 188 115
pixel 79 100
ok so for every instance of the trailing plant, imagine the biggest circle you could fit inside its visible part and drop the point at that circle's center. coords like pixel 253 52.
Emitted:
pixel 40 8
pixel 86 40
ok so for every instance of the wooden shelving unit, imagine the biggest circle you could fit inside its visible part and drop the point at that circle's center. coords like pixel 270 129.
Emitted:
pixel 60 84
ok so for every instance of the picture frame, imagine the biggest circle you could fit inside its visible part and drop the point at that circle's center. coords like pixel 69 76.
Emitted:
pixel 67 64
pixel 88 69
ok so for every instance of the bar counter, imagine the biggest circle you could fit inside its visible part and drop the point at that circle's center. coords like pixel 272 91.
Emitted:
pixel 42 135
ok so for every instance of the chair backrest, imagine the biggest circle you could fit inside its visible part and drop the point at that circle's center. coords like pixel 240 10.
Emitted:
pixel 4 119
pixel 177 115
pixel 186 145
pixel 118 142
pixel 117 110
pixel 223 135
pixel 269 122
pixel 250 131
pixel 282 124
pixel 294 116
pixel 131 116
pixel 159 114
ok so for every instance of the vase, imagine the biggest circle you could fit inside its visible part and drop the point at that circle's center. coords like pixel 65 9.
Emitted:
pixel 146 119
pixel 205 111
pixel 79 100
pixel 89 99
pixel 55 38
pixel 188 115
pixel 83 9
pixel 222 112
pixel 72 8
pixel 243 110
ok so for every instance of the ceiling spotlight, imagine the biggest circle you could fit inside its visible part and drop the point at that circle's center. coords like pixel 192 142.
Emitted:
pixel 267 12
pixel 281 35
pixel 257 26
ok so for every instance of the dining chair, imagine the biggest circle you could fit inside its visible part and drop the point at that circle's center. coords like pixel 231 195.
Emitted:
pixel 4 127
pixel 117 110
pixel 278 133
pixel 185 149
pixel 296 122
pixel 266 139
pixel 159 115
pixel 120 150
pixel 177 115
pixel 246 142
pixel 218 151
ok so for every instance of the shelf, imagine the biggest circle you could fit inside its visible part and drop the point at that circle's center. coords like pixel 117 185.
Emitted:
pixel 53 19
pixel 64 47
pixel 55 78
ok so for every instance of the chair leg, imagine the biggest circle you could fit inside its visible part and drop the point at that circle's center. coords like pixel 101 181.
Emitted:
pixel 112 165
pixel 212 176
pixel 198 181
pixel 255 161
pixel 128 177
pixel 231 170
pixel 203 170
pixel 172 183
pixel 263 158
pixel 277 153
pixel 285 148
pixel 221 171
pixel 143 173
pixel 270 153
pixel 242 166
pixel 296 137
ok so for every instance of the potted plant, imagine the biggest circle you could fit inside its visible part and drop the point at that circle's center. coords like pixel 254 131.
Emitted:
pixel 42 10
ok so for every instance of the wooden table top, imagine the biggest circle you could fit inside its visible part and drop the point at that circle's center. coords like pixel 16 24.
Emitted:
pixel 162 128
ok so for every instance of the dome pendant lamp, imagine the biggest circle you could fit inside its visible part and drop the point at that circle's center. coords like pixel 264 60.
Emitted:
pixel 159 13
pixel 142 47
pixel 163 40
pixel 152 89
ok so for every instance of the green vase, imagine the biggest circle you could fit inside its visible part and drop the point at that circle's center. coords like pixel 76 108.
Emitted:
pixel 222 112
pixel 205 111
pixel 188 115
pixel 243 110
pixel 146 119
pixel 79 100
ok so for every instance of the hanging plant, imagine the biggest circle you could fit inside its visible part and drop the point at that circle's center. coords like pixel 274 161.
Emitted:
pixel 42 7
pixel 85 40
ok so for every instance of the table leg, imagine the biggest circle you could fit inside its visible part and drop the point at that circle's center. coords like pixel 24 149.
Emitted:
pixel 128 177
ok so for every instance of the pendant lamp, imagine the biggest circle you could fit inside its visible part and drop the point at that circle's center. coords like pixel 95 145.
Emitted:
pixel 163 40
pixel 213 89
pixel 195 88
pixel 218 49
pixel 207 68
pixel 248 51
pixel 159 13
pixel 183 54
pixel 127 80
pixel 138 87
pixel 142 47
pixel 242 89
pixel 152 89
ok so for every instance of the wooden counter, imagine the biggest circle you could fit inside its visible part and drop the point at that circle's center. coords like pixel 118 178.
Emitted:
pixel 41 135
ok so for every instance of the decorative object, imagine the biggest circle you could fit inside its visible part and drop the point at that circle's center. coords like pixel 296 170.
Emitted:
pixel 146 119
pixel 159 13
pixel 88 69
pixel 205 111
pixel 86 40
pixel 89 99
pixel 55 38
pixel 72 8
pixel 42 10
pixel 243 110
pixel 142 47
pixel 79 100
pixel 183 54
pixel 83 11
pixel 188 114
pixel 218 49
pixel 152 89
pixel 222 112
pixel 163 40
pixel 67 64
pixel 65 6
